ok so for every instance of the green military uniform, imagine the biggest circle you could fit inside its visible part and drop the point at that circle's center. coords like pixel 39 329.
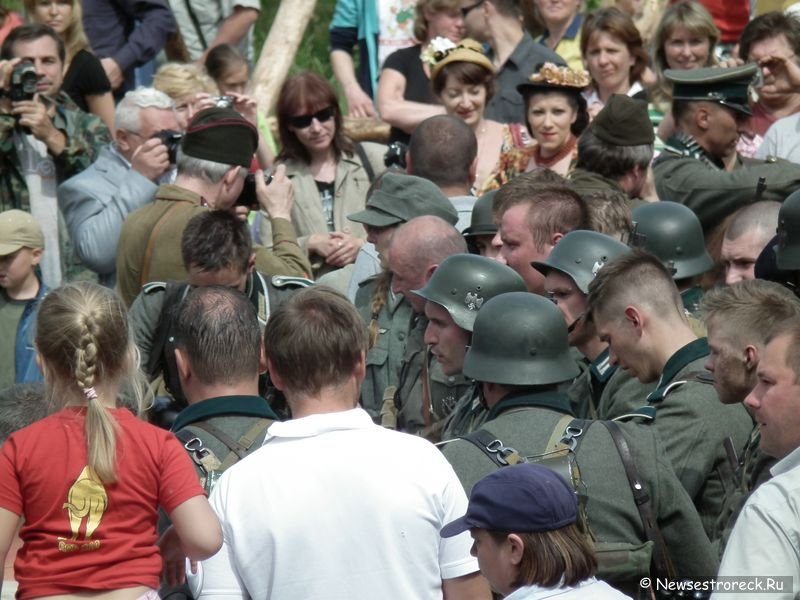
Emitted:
pixel 686 173
pixel 693 425
pixel 386 355
pixel 468 415
pixel 158 227
pixel 526 421
pixel 85 135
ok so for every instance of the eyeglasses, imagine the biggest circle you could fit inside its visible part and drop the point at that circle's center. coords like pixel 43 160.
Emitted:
pixel 466 10
pixel 303 121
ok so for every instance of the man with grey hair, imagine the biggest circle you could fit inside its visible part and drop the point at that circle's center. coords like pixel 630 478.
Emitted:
pixel 124 177
pixel 746 236
pixel 212 162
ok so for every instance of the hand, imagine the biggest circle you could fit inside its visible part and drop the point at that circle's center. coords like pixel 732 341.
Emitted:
pixel 345 249
pixel 113 72
pixel 246 106
pixel 173 569
pixel 151 159
pixel 6 67
pixel 595 108
pixel 359 105
pixel 780 64
pixel 731 62
pixel 277 198
pixel 36 116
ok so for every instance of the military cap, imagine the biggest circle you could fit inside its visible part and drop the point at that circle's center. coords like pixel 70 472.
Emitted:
pixel 401 198
pixel 726 86
pixel 788 249
pixel 482 222
pixel 624 121
pixel 18 229
pixel 221 135
pixel 467 50
pixel 523 498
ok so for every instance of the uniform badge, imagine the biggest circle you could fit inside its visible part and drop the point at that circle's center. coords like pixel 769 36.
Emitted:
pixel 473 301
pixel 597 266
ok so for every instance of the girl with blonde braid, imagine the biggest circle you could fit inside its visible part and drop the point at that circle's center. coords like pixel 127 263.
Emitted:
pixel 87 481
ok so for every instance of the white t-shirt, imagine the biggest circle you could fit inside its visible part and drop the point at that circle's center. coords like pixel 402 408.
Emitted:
pixel 335 507
pixel 396 26
pixel 591 588
pixel 209 14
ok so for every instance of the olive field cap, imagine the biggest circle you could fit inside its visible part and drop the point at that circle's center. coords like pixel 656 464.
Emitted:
pixel 520 339
pixel 221 135
pixel 580 255
pixel 788 247
pixel 672 232
pixel 462 283
pixel 727 86
pixel 522 498
pixel 18 229
pixel 401 198
pixel 482 221
pixel 624 121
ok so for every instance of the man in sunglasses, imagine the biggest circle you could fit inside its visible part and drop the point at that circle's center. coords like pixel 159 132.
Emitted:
pixel 512 50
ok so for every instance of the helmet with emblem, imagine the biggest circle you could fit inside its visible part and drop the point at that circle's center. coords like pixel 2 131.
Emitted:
pixel 580 255
pixel 788 249
pixel 462 283
pixel 672 232
pixel 520 339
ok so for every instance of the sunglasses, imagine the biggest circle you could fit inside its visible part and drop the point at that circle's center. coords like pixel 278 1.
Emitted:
pixel 303 121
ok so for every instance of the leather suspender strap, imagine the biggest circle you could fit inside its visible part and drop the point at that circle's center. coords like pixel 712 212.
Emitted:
pixel 426 388
pixel 151 241
pixel 241 447
pixel 500 454
pixel 661 557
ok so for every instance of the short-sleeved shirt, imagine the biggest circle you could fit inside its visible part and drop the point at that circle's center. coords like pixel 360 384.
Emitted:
pixel 85 77
pixel 418 87
pixel 81 534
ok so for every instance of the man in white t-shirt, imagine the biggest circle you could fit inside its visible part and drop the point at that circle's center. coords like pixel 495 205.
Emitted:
pixel 334 506
pixel 204 24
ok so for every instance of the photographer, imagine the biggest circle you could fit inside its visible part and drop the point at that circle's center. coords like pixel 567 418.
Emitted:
pixel 123 178
pixel 44 139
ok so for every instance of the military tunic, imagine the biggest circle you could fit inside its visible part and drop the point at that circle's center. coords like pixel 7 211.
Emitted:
pixel 685 173
pixel 526 421
pixel 693 425
pixel 468 415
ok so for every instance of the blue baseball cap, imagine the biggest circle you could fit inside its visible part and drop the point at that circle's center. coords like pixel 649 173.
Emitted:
pixel 523 498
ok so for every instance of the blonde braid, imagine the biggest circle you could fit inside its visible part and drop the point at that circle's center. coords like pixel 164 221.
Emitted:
pixel 376 305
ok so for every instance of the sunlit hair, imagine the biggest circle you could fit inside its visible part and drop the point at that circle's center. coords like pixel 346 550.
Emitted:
pixel 616 23
pixel 430 6
pixel 84 341
pixel 307 93
pixel 74 36
pixel 697 21
pixel 178 80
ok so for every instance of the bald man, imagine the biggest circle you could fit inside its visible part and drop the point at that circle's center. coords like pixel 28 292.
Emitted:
pixel 747 234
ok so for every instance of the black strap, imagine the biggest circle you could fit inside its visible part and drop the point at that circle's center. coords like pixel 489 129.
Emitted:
pixel 365 162
pixel 155 362
pixel 661 557
pixel 499 453
pixel 196 23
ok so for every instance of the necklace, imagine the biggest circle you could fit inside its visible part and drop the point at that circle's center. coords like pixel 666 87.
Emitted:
pixel 550 161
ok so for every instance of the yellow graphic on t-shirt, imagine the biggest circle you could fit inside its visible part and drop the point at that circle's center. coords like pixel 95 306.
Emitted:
pixel 88 500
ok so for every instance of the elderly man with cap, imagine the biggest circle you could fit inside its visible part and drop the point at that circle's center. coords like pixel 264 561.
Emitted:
pixel 212 163
pixel 517 515
pixel 520 354
pixel 615 151
pixel 395 200
pixel 699 166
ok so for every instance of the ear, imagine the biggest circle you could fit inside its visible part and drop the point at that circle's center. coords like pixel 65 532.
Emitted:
pixel 516 548
pixel 230 177
pixel 473 170
pixel 360 370
pixel 183 365
pixel 36 256
pixel 276 379
pixel 429 272
pixel 262 358
pixel 750 357
pixel 251 263
pixel 635 318
pixel 702 118
pixel 554 239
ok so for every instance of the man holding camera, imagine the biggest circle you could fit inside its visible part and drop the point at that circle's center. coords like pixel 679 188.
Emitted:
pixel 44 137
pixel 124 178
pixel 212 162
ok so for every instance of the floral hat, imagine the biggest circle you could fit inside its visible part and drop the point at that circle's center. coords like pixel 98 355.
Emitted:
pixel 551 76
pixel 441 51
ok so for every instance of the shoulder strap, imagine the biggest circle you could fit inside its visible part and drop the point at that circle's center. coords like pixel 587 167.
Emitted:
pixel 500 454
pixel 365 162
pixel 661 557
pixel 239 448
pixel 151 241
pixel 155 362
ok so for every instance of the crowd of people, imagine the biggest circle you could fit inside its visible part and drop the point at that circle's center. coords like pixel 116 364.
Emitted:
pixel 540 341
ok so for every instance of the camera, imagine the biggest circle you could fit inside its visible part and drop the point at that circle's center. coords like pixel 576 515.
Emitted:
pixel 171 139
pixel 223 101
pixel 396 155
pixel 23 82
pixel 248 196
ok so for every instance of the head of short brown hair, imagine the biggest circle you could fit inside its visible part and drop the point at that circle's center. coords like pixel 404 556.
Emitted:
pixel 551 558
pixel 315 340
pixel 610 214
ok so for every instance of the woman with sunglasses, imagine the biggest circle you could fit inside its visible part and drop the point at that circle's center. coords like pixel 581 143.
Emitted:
pixel 330 174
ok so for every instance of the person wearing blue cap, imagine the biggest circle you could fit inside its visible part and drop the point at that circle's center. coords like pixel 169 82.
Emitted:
pixel 523 520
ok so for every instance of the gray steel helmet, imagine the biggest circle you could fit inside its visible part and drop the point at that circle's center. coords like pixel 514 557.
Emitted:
pixel 672 232
pixel 581 254
pixel 482 222
pixel 463 282
pixel 520 339
pixel 788 249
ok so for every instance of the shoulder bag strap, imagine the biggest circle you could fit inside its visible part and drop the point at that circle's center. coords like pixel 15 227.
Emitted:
pixel 365 162
pixel 148 252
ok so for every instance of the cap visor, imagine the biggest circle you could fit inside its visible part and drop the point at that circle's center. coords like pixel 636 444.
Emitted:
pixel 374 218
pixel 742 108
pixel 456 527
pixel 543 268
pixel 6 249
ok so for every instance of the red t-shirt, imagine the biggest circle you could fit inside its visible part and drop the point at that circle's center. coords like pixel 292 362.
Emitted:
pixel 80 534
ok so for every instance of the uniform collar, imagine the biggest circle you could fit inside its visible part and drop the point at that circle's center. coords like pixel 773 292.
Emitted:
pixel 601 367
pixel 692 298
pixel 551 400
pixel 224 406
pixel 677 362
